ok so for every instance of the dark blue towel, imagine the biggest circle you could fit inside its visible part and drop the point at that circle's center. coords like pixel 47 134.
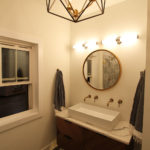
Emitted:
pixel 136 118
pixel 59 96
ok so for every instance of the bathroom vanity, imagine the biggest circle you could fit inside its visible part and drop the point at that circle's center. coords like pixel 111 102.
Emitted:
pixel 73 134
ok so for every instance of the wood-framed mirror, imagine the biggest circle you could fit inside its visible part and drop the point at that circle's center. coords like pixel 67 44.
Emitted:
pixel 101 69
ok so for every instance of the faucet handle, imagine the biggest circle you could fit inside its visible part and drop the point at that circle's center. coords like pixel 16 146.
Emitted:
pixel 95 98
pixel 89 96
pixel 120 101
pixel 111 100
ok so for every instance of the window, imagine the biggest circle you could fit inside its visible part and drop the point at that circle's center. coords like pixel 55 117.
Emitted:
pixel 15 68
pixel 18 80
pixel 15 65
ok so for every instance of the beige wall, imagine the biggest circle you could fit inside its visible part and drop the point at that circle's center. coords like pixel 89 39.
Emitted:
pixel 29 18
pixel 129 16
pixel 146 130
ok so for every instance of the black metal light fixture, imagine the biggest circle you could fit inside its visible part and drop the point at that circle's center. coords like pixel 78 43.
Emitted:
pixel 76 10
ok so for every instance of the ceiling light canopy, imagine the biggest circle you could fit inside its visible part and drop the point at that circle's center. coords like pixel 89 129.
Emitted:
pixel 76 10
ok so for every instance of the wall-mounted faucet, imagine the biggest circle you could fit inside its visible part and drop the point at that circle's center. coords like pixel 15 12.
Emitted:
pixel 120 102
pixel 95 98
pixel 111 100
pixel 89 96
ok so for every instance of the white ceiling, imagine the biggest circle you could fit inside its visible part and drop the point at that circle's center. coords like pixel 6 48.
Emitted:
pixel 110 3
pixel 77 4
pixel 93 9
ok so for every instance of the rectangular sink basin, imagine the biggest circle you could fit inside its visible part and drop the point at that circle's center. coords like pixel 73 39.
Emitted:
pixel 94 115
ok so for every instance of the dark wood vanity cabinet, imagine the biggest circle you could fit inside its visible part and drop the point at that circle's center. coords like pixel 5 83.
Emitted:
pixel 73 137
pixel 69 135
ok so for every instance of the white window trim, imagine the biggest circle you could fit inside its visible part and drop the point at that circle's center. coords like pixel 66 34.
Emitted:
pixel 21 118
pixel 15 120
pixel 16 48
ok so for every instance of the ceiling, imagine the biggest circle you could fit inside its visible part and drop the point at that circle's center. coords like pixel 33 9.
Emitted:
pixel 110 3
pixel 77 4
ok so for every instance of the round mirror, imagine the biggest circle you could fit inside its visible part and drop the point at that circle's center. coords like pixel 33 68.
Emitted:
pixel 101 69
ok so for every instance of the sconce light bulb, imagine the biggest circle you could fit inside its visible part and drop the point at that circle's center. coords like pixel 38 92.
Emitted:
pixel 92 44
pixel 110 41
pixel 79 46
pixel 128 39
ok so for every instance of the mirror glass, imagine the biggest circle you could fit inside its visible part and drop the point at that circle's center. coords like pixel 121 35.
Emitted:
pixel 101 69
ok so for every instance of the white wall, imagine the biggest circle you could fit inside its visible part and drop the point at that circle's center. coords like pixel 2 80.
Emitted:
pixel 129 16
pixel 29 18
pixel 146 130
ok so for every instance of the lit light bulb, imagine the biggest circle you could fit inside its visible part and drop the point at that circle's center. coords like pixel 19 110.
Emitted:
pixel 110 41
pixel 128 39
pixel 92 44
pixel 79 46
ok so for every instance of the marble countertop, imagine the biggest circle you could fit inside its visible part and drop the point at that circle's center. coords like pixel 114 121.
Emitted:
pixel 120 133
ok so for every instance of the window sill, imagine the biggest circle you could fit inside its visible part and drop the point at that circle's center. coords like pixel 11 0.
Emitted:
pixel 15 120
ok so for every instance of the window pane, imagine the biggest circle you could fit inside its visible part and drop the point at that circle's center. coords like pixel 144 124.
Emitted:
pixel 8 65
pixel 13 99
pixel 22 65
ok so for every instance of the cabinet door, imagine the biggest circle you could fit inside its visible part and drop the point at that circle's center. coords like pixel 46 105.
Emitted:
pixel 96 141
pixel 67 143
pixel 69 129
pixel 69 135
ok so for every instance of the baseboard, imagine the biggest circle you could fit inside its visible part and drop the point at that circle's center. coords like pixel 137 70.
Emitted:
pixel 47 147
pixel 50 146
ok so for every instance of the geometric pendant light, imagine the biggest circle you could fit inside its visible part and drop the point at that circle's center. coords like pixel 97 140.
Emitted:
pixel 76 10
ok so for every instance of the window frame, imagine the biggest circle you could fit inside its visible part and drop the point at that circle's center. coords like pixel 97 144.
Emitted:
pixel 14 120
pixel 16 48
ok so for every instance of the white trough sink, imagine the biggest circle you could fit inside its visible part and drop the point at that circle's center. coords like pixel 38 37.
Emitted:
pixel 94 115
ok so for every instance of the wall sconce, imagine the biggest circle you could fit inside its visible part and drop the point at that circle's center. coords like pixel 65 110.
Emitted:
pixel 126 39
pixel 79 47
pixel 110 41
pixel 90 45
pixel 118 40
pixel 85 45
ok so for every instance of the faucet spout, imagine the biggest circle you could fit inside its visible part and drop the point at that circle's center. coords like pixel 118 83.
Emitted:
pixel 89 96
pixel 111 100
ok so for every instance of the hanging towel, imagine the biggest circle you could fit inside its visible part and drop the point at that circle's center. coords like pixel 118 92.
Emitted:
pixel 59 96
pixel 136 118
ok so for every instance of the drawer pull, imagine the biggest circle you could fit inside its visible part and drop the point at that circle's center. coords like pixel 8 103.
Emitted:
pixel 68 121
pixel 68 137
